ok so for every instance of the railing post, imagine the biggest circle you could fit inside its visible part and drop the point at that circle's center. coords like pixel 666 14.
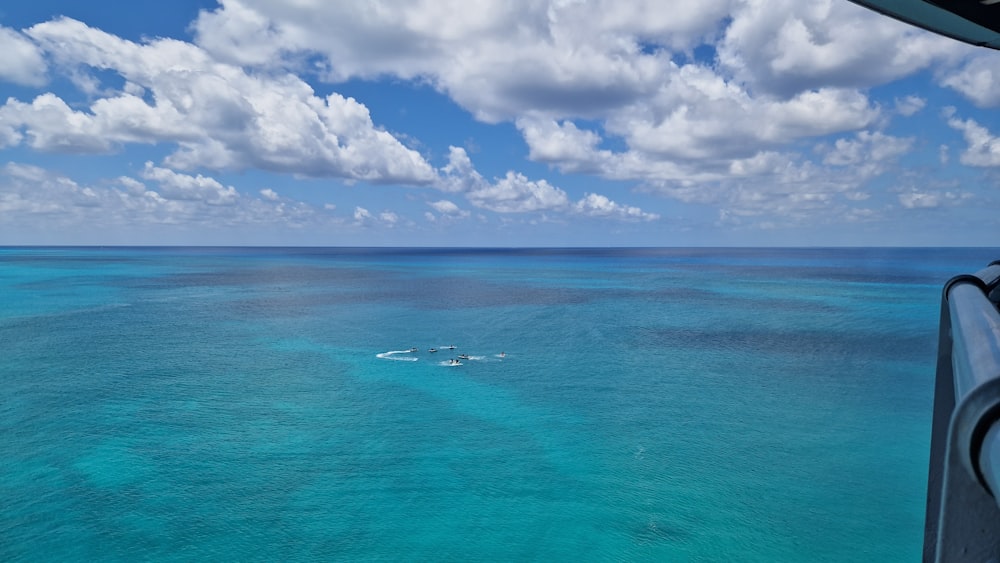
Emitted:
pixel 963 514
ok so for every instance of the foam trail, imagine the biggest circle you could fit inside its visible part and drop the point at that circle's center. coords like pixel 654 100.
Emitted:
pixel 391 355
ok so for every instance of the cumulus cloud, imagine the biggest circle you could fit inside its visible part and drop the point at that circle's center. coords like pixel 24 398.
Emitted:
pixel 29 194
pixel 695 133
pixel 711 103
pixel 52 126
pixel 983 147
pixel 459 175
pixel 361 214
pixel 563 144
pixel 446 208
pixel 30 191
pixel 704 117
pixel 174 185
pixel 384 219
pixel 624 95
pixel 596 205
pixel 219 115
pixel 779 189
pixel 926 199
pixel 515 193
pixel 977 79
pixel 493 57
pixel 708 132
pixel 909 105
pixel 867 153
pixel 22 62
pixel 784 46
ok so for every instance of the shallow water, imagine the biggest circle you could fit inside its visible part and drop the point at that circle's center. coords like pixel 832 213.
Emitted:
pixel 618 404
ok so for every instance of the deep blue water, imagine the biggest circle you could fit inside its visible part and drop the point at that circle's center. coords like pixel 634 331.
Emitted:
pixel 618 404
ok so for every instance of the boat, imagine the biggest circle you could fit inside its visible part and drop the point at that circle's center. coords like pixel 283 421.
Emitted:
pixel 432 350
pixel 463 356
pixel 413 349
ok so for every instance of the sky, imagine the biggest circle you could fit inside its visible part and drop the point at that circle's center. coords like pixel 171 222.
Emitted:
pixel 492 123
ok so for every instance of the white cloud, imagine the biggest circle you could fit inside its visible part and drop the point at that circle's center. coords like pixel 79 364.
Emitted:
pixel 242 37
pixel 595 205
pixel 627 91
pixel 174 185
pixel 495 58
pixel 785 46
pixel 909 105
pixel 562 144
pixel 29 194
pixel 983 147
pixel 911 200
pixel 978 79
pixel 131 185
pixel 459 175
pixel 556 61
pixel 52 126
pixel 772 189
pixel 623 96
pixel 22 62
pixel 868 153
pixel 514 193
pixel 30 191
pixel 695 130
pixel 220 116
pixel 703 117
pixel 925 199
pixel 365 218
pixel 447 209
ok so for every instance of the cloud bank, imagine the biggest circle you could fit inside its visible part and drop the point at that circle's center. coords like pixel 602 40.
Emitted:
pixel 761 111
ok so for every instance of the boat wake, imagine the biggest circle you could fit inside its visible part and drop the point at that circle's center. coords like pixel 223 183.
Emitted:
pixel 395 355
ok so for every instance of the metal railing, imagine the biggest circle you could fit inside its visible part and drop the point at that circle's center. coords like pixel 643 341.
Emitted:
pixel 963 485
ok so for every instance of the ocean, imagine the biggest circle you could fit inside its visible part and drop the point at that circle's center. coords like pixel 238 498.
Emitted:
pixel 264 404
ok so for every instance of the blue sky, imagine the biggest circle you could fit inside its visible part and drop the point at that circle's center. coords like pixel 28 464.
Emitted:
pixel 447 123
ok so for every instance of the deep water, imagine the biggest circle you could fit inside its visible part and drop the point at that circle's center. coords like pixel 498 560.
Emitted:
pixel 617 404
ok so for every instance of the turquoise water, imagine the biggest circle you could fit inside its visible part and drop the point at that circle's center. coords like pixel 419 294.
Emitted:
pixel 618 405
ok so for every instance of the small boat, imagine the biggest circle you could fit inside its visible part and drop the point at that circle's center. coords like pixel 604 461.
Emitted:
pixel 432 350
pixel 463 356
pixel 413 349
pixel 451 347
